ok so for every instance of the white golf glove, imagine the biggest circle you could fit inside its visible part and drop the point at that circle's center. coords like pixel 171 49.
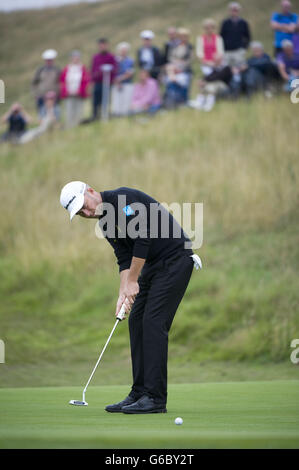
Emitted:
pixel 197 261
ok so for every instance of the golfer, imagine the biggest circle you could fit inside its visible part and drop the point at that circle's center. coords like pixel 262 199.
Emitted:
pixel 155 264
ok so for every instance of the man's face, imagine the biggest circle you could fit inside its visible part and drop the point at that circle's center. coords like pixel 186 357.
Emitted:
pixel 49 62
pixel 103 47
pixel 286 7
pixel 147 42
pixel 91 206
pixel 257 51
pixel 234 12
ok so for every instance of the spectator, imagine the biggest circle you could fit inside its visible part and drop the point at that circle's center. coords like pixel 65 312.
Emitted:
pixel 172 42
pixel 283 25
pixel 296 38
pixel 259 71
pixel 74 82
pixel 209 47
pixel 17 120
pixel 103 57
pixel 213 85
pixel 46 79
pixel 235 32
pixel 149 56
pixel 288 64
pixel 177 83
pixel 123 88
pixel 48 121
pixel 146 96
pixel 181 56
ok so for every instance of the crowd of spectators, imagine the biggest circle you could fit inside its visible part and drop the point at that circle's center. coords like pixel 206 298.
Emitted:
pixel 231 63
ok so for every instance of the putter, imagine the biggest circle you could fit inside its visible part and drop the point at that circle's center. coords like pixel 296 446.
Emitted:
pixel 119 318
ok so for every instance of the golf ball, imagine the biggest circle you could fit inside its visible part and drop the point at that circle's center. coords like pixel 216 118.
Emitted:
pixel 178 421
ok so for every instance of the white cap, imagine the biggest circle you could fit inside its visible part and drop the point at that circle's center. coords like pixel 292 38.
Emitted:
pixel 72 197
pixel 147 34
pixel 49 54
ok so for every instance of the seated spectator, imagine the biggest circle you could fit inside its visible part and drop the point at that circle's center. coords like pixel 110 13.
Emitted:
pixel 215 84
pixel 176 86
pixel 123 87
pixel 146 95
pixel 283 24
pixel 74 81
pixel 17 120
pixel 181 56
pixel 288 64
pixel 259 70
pixel 48 121
pixel 235 32
pixel 172 42
pixel 46 79
pixel 149 56
pixel 209 47
pixel 102 58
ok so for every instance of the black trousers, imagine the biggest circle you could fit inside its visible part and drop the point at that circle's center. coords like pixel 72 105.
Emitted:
pixel 97 98
pixel 162 287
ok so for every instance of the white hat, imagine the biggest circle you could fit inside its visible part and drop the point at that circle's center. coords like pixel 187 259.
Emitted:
pixel 49 54
pixel 72 197
pixel 147 34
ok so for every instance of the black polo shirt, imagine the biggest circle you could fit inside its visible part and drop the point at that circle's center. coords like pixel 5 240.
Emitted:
pixel 235 34
pixel 135 224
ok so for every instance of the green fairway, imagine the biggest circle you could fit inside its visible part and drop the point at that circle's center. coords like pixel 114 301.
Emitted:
pixel 216 415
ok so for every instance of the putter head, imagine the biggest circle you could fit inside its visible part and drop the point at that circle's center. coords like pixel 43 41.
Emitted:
pixel 78 403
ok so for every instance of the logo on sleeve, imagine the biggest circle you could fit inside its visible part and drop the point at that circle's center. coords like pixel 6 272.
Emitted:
pixel 128 210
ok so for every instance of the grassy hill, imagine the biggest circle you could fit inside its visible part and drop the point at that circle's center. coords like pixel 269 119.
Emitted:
pixel 24 35
pixel 59 282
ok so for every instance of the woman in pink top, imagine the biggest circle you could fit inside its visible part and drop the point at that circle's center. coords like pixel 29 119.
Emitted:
pixel 146 95
pixel 209 47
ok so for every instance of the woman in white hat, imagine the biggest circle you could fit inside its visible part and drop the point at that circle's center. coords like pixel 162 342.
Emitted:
pixel 46 79
pixel 148 56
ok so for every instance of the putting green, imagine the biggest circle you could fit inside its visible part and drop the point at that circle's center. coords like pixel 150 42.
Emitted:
pixel 216 415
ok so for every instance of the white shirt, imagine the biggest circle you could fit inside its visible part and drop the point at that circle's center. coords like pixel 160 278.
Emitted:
pixel 147 56
pixel 73 78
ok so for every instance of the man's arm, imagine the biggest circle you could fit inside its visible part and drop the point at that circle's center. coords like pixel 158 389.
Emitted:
pixel 283 71
pixel 129 286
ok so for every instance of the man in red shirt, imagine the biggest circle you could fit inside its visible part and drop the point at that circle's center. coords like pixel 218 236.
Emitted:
pixel 103 57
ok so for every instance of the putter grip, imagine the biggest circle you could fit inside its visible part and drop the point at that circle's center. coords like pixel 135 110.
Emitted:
pixel 122 313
